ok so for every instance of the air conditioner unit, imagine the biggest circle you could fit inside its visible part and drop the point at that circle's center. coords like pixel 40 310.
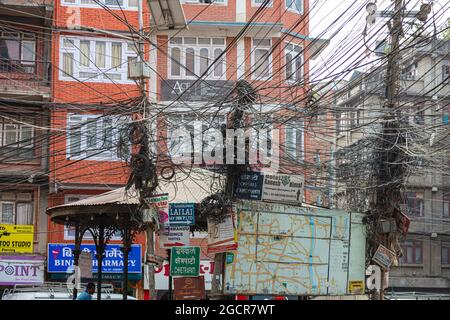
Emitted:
pixel 138 70
pixel 434 235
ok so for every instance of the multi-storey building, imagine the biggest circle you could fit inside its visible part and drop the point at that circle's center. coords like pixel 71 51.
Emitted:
pixel 25 78
pixel 227 41
pixel 424 104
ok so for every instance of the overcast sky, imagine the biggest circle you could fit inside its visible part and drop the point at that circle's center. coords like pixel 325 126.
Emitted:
pixel 350 15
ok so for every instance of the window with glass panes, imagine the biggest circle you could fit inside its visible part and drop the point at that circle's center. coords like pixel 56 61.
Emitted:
pixel 262 123
pixel 206 1
pixel 262 58
pixel 294 5
pixel 16 138
pixel 93 137
pixel 414 203
pixel 111 4
pixel 191 57
pixel 412 252
pixel 294 63
pixel 96 59
pixel 445 253
pixel 196 126
pixel 17 52
pixel 257 3
pixel 16 208
pixel 294 140
pixel 446 204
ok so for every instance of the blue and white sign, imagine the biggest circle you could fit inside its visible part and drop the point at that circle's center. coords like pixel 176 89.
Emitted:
pixel 60 258
pixel 249 186
pixel 181 214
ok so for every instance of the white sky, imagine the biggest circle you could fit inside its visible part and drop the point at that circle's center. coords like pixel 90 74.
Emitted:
pixel 346 44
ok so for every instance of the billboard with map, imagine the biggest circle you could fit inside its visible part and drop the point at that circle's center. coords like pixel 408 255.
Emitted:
pixel 293 250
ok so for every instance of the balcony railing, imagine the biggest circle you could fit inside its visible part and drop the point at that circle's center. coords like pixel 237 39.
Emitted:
pixel 31 73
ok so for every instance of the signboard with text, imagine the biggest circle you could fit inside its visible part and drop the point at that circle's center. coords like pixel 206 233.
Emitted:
pixel 189 288
pixel 185 262
pixel 16 238
pixel 21 270
pixel 181 214
pixel 160 204
pixel 61 260
pixel 222 237
pixel 174 237
pixel 282 188
pixel 193 90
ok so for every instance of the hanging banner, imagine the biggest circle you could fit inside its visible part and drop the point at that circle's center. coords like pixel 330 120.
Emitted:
pixel 16 238
pixel 160 204
pixel 85 264
pixel 174 237
pixel 60 258
pixel 21 270
pixel 222 237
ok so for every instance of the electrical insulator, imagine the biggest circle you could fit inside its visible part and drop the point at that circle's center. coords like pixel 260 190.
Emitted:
pixel 371 9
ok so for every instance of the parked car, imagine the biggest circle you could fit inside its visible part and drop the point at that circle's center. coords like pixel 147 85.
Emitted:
pixel 55 291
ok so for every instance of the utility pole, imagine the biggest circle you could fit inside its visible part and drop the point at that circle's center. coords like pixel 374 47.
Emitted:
pixel 386 198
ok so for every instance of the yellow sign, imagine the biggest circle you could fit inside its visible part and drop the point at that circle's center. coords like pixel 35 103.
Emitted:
pixel 16 238
pixel 356 287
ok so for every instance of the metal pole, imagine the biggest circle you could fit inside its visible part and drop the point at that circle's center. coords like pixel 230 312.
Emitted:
pixel 100 250
pixel 76 256
pixel 151 269
pixel 170 277
pixel 126 250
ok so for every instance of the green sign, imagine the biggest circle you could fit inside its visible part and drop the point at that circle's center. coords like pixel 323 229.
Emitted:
pixel 185 262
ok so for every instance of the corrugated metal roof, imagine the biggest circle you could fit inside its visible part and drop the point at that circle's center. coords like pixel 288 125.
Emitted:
pixel 186 186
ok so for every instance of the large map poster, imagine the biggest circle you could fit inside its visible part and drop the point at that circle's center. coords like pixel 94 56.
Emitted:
pixel 289 250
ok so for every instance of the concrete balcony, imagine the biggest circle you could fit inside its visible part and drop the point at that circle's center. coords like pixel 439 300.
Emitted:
pixel 411 86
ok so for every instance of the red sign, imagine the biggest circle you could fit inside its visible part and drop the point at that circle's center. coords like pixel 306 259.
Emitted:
pixel 189 288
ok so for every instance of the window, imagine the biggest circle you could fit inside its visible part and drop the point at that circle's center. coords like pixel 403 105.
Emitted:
pixel 95 60
pixel 16 208
pixel 294 63
pixel 257 3
pixel 262 59
pixel 409 73
pixel 179 144
pixel 205 1
pixel 445 71
pixel 294 143
pixel 295 5
pixel 317 157
pixel 355 118
pixel 412 252
pixel 111 4
pixel 17 52
pixel 16 138
pixel 338 123
pixel 414 204
pixel 190 57
pixel 93 137
pixel 446 201
pixel 445 253
pixel 263 125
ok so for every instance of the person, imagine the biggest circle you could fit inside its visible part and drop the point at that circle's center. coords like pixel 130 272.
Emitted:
pixel 87 294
